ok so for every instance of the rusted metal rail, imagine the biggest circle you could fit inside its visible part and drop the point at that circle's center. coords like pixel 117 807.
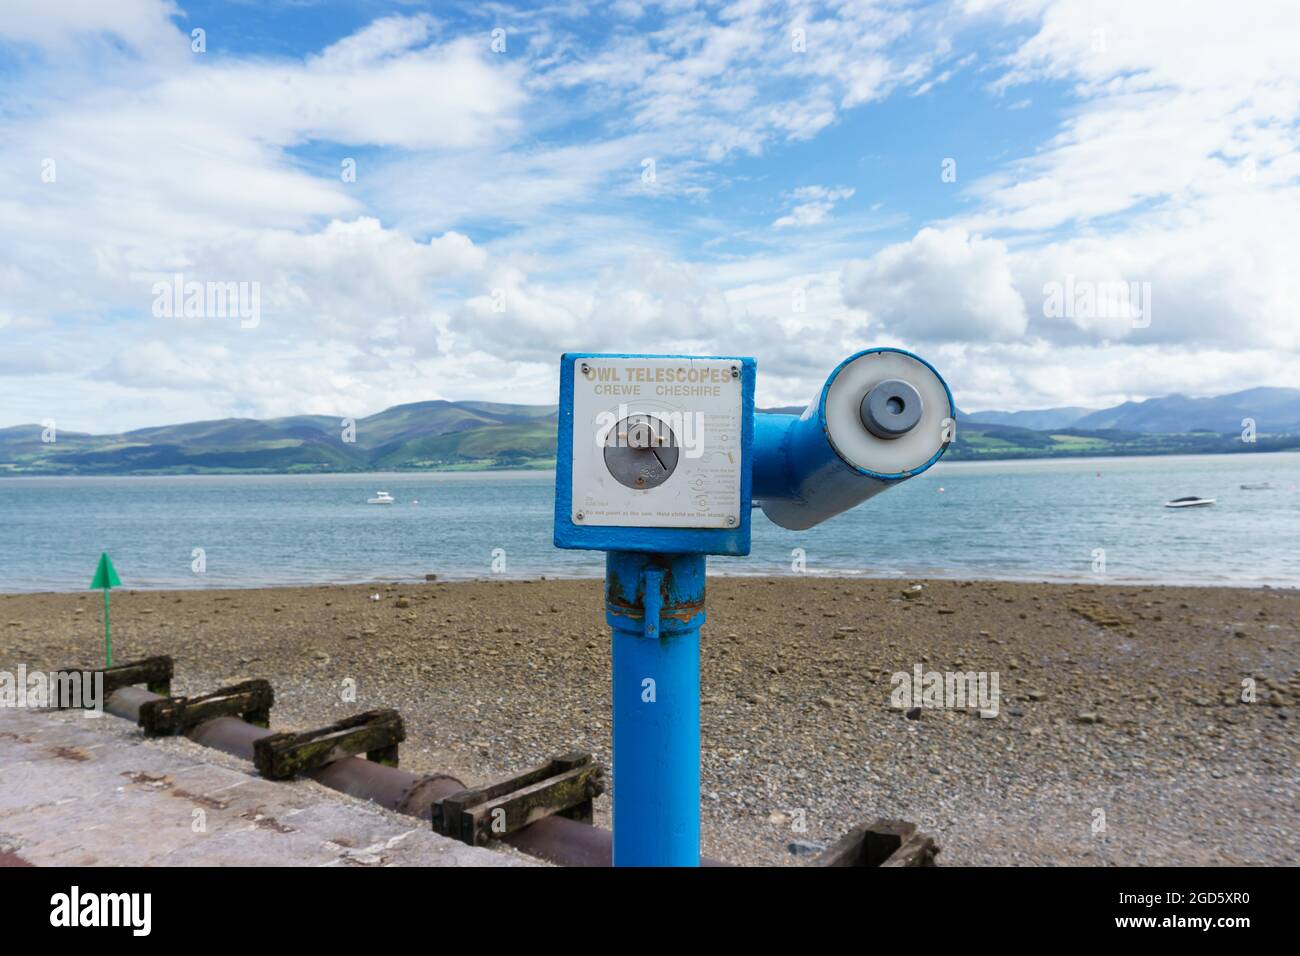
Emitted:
pixel 565 840
pixel 556 839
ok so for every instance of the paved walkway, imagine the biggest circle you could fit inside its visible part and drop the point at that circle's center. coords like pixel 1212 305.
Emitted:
pixel 81 791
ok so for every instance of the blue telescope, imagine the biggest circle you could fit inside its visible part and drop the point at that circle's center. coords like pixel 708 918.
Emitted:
pixel 660 461
pixel 883 416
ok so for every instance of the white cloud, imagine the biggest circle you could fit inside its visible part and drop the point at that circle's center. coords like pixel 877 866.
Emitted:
pixel 647 303
pixel 813 205
pixel 144 25
pixel 1180 168
pixel 1041 374
pixel 202 150
pixel 738 80
pixel 189 170
pixel 1176 163
pixel 942 285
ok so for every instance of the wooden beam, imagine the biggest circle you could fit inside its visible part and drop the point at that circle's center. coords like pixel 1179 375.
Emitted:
pixel 376 733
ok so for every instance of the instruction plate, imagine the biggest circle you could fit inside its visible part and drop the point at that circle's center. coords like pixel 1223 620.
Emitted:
pixel 657 442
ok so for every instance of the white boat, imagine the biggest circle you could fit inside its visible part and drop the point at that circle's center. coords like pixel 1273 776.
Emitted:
pixel 1191 501
pixel 380 498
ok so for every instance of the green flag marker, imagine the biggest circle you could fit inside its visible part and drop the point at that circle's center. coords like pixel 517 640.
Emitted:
pixel 106 577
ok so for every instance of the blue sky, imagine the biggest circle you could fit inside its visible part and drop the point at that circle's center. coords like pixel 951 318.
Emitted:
pixel 825 177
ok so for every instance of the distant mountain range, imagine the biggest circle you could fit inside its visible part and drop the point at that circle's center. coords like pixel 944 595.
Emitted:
pixel 1043 418
pixel 1275 410
pixel 441 435
pixel 423 435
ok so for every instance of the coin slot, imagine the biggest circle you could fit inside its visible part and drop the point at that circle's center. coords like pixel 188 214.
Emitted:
pixel 641 452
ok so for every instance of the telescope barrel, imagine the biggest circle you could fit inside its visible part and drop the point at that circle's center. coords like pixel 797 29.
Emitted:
pixel 883 416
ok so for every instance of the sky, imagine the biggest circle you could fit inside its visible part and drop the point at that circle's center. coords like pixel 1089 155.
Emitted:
pixel 1055 202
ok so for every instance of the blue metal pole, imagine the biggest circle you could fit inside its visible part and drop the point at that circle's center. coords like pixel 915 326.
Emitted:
pixel 655 605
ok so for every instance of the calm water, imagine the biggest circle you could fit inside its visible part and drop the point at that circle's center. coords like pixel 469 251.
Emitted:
pixel 1027 520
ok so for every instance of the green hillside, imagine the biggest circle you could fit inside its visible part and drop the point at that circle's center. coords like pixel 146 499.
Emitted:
pixel 493 446
pixel 977 441
pixel 423 435
pixel 440 435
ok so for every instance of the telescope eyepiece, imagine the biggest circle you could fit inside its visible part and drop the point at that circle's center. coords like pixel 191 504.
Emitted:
pixel 891 409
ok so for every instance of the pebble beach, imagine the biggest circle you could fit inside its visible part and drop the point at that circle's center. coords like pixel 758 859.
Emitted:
pixel 1134 725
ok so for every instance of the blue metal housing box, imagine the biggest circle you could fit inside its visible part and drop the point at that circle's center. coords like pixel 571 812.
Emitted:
pixel 733 541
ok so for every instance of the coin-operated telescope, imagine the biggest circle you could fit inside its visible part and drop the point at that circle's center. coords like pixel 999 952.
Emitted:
pixel 660 461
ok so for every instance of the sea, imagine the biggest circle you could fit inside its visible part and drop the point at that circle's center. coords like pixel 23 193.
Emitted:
pixel 1084 519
